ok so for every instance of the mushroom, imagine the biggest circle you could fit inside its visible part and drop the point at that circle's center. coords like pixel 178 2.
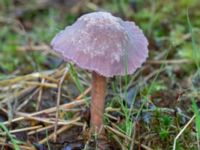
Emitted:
pixel 105 45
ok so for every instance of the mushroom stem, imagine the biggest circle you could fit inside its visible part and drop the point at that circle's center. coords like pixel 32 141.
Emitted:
pixel 98 102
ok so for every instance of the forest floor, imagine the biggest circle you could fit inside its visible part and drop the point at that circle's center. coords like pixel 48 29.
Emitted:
pixel 156 108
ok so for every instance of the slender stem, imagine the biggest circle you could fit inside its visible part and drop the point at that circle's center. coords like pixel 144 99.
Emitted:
pixel 98 102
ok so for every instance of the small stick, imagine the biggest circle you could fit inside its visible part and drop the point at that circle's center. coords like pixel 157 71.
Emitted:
pixel 178 61
pixel 58 101
pixel 119 142
pixel 77 102
pixel 182 130
pixel 117 132
pixel 49 78
pixel 17 95
pixel 23 129
pixel 116 127
pixel 133 135
pixel 48 85
pixel 45 120
pixel 39 130
pixel 110 116
pixel 40 96
pixel 84 93
pixel 24 147
pixel 110 109
pixel 34 48
pixel 92 6
pixel 143 146
pixel 49 110
pixel 27 77
pixel 27 99
pixel 45 48
pixel 10 87
pixel 53 134
pixel 21 146
pixel 4 110
pixel 126 137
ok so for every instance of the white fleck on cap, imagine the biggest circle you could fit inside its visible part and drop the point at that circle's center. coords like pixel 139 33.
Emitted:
pixel 103 43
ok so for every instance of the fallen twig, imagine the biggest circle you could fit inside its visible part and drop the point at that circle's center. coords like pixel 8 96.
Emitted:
pixel 182 130
pixel 58 100
pixel 51 121
pixel 57 132
pixel 40 129
pixel 46 111
pixel 176 61
pixel 22 130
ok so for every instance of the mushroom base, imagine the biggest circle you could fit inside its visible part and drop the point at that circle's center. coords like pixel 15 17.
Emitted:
pixel 98 102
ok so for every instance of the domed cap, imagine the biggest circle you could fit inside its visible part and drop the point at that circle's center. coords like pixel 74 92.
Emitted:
pixel 103 43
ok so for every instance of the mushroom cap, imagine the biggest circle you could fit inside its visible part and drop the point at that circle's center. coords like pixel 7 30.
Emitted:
pixel 102 43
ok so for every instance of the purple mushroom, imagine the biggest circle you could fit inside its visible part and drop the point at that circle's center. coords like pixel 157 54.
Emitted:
pixel 105 45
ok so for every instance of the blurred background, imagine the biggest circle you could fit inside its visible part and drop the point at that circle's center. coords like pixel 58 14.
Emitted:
pixel 27 27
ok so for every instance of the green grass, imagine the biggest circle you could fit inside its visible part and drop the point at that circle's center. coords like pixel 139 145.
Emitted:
pixel 196 56
pixel 195 51
pixel 14 141
pixel 172 28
